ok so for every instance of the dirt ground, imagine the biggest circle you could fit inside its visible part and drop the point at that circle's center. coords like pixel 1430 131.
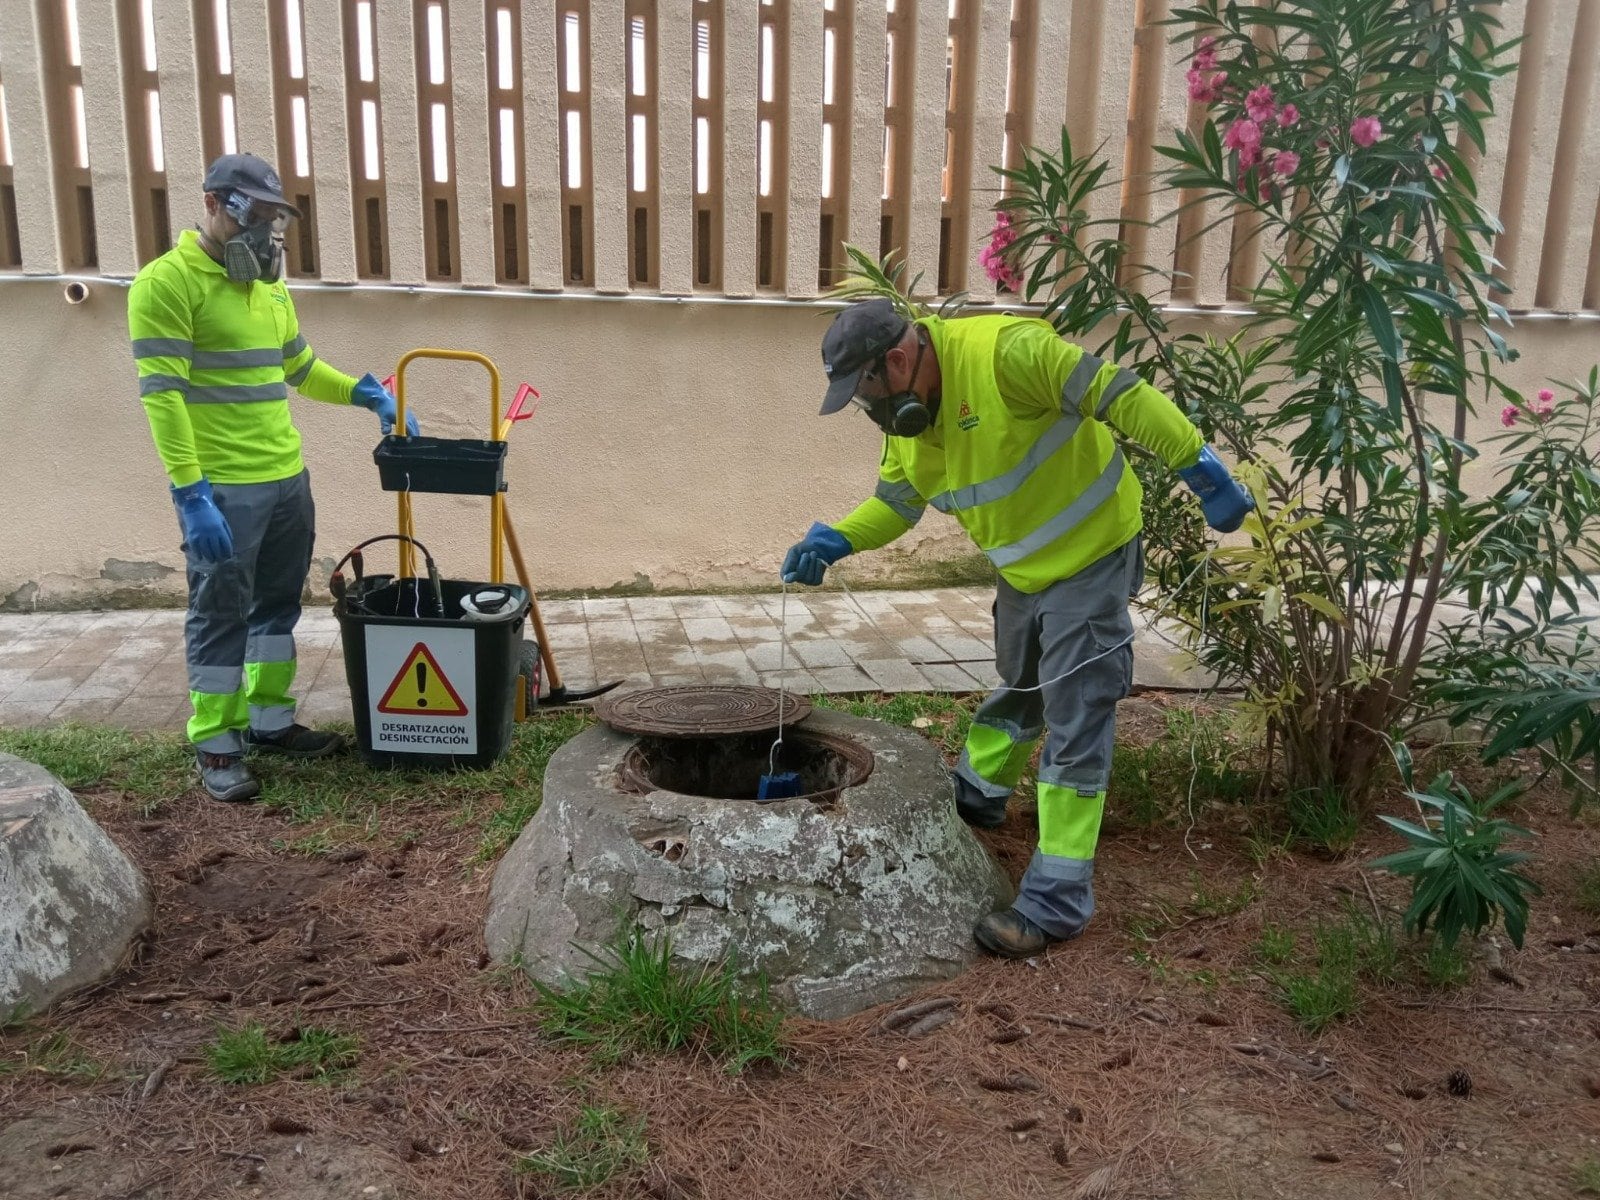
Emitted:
pixel 1126 1064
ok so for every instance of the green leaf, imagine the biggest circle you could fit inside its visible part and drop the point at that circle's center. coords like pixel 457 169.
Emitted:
pixel 1379 320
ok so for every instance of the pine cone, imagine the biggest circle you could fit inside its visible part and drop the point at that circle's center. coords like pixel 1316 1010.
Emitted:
pixel 1459 1083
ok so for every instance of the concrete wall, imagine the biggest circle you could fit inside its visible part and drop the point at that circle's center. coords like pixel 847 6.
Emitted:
pixel 677 445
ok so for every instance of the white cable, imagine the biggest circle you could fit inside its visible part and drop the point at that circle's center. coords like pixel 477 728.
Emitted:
pixel 783 660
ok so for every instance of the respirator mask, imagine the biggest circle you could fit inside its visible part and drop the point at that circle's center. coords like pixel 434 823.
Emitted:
pixel 256 251
pixel 904 413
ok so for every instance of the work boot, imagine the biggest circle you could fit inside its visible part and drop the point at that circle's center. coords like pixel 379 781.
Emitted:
pixel 1011 935
pixel 296 741
pixel 984 818
pixel 226 778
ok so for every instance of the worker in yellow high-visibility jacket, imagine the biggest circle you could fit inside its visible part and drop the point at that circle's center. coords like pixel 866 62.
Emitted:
pixel 1002 424
pixel 217 345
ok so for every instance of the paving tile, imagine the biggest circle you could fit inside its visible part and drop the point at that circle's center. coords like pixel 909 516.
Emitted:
pixel 11 677
pixel 612 608
pixel 612 633
pixel 695 606
pixel 795 679
pixel 770 656
pixel 93 710
pixel 725 665
pixel 665 658
pixel 709 629
pixel 31 651
pixel 157 714
pixel 573 636
pixel 91 649
pixel 843 679
pixel 123 620
pixel 738 608
pixel 651 608
pixel 947 677
pixel 26 714
pixel 983 672
pixel 679 680
pixel 39 691
pixel 618 660
pixel 143 647
pixel 814 654
pixel 661 633
pixel 561 612
pixel 894 674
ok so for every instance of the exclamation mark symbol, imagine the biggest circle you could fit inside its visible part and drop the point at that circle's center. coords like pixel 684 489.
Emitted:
pixel 422 685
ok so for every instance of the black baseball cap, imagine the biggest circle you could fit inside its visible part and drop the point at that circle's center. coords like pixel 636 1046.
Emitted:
pixel 858 337
pixel 250 175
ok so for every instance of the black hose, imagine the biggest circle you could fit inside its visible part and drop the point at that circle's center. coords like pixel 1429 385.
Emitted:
pixel 433 570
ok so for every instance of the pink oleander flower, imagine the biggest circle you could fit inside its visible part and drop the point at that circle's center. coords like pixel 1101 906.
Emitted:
pixel 1204 90
pixel 1545 405
pixel 1259 105
pixel 1364 131
pixel 1439 172
pixel 1285 162
pixel 1248 157
pixel 1207 42
pixel 1219 82
pixel 1242 135
pixel 1508 415
pixel 1288 116
pixel 993 258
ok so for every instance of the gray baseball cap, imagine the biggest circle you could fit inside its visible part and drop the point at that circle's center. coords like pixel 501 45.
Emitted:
pixel 858 337
pixel 252 176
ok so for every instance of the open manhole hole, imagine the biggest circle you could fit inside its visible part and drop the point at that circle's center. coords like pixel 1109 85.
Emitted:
pixel 730 767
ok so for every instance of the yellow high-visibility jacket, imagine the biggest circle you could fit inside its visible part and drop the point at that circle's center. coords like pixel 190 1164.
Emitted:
pixel 1019 453
pixel 216 359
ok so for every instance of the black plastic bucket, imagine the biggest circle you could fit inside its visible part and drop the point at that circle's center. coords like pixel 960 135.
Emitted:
pixel 431 687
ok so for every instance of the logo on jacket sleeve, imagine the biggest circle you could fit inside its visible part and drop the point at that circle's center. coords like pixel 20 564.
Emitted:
pixel 965 417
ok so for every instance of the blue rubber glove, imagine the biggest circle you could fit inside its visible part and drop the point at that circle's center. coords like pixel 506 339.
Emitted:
pixel 205 529
pixel 1223 501
pixel 374 397
pixel 810 557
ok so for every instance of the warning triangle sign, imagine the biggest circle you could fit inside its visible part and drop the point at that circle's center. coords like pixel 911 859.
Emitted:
pixel 421 689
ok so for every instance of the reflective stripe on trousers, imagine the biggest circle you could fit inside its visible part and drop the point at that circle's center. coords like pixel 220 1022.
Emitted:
pixel 1076 623
pixel 239 632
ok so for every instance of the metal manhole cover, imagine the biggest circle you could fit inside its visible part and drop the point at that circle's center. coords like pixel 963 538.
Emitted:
pixel 700 711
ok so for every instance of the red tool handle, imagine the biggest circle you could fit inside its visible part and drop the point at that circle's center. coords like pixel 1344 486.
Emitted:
pixel 520 409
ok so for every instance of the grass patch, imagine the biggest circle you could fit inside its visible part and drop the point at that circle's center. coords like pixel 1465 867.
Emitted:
pixel 249 1055
pixel 537 740
pixel 637 999
pixel 1589 889
pixel 1324 818
pixel 148 768
pixel 56 1055
pixel 1206 901
pixel 1346 951
pixel 1445 967
pixel 1200 759
pixel 1586 1177
pixel 940 718
pixel 342 791
pixel 1275 946
pixel 589 1152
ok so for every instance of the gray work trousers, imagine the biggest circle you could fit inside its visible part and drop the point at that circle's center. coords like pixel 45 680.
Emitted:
pixel 239 633
pixel 1075 638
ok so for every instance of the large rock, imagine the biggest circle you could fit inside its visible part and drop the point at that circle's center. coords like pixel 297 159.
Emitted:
pixel 842 906
pixel 71 903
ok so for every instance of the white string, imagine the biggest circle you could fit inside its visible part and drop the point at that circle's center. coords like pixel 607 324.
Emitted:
pixel 783 660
